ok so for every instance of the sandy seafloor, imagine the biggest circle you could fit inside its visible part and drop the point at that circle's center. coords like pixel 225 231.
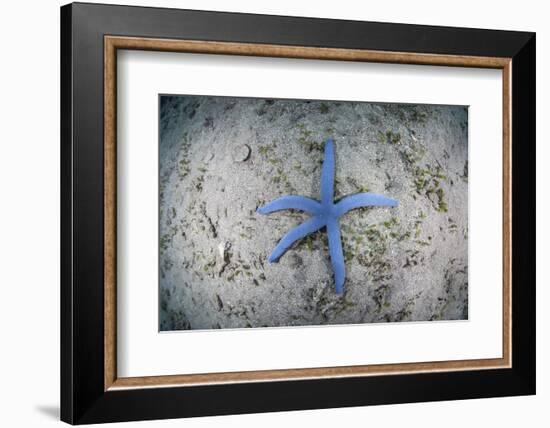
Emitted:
pixel 221 158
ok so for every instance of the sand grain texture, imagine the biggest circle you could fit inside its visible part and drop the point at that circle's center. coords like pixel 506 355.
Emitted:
pixel 221 158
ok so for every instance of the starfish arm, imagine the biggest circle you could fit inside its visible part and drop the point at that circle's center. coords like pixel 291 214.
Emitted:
pixel 300 203
pixel 327 174
pixel 299 232
pixel 336 254
pixel 362 200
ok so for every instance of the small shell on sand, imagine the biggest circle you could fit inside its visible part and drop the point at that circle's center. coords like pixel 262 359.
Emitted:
pixel 241 153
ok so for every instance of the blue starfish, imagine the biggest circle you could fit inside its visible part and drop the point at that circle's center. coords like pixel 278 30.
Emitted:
pixel 324 213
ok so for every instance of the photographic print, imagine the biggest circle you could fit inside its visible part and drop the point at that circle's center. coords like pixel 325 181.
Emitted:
pixel 280 212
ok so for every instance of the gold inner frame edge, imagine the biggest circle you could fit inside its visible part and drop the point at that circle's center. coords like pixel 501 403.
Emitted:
pixel 113 43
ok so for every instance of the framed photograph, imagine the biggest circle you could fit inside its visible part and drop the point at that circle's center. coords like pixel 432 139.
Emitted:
pixel 266 213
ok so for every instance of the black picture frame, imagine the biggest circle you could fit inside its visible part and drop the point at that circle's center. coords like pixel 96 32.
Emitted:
pixel 83 397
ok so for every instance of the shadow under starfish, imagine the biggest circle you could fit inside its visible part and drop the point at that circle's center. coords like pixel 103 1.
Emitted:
pixel 324 213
